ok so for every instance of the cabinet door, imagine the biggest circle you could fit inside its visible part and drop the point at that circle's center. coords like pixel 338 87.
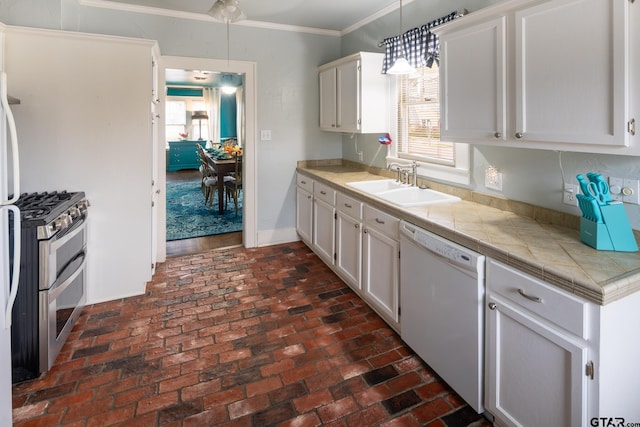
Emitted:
pixel 535 374
pixel 571 72
pixel 473 104
pixel 304 214
pixel 324 230
pixel 380 274
pixel 349 249
pixel 348 105
pixel 328 99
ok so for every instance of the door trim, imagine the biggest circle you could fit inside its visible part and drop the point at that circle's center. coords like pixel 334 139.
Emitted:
pixel 249 209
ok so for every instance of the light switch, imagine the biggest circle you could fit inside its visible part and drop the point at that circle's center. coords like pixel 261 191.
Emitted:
pixel 265 135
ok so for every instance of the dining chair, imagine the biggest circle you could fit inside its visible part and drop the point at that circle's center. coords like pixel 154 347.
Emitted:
pixel 209 179
pixel 234 186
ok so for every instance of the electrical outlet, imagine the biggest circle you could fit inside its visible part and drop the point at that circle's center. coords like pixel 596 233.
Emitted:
pixel 493 179
pixel 625 190
pixel 615 188
pixel 630 191
pixel 569 194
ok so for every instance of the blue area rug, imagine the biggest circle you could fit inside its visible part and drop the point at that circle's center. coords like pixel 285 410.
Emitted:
pixel 188 217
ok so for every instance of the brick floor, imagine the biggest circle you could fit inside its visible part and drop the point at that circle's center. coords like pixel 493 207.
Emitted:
pixel 239 337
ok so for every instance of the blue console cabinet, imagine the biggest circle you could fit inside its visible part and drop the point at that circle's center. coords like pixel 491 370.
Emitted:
pixel 182 155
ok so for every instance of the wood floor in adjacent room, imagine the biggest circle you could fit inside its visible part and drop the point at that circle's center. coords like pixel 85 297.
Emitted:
pixel 239 337
pixel 198 244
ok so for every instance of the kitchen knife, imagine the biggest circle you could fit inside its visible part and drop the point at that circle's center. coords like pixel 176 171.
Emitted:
pixel 584 185
pixel 595 210
pixel 584 206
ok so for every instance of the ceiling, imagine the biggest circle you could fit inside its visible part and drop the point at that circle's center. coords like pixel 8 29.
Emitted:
pixel 324 15
pixel 334 17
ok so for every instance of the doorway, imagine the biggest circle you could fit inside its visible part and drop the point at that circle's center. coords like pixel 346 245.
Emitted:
pixel 249 234
pixel 198 244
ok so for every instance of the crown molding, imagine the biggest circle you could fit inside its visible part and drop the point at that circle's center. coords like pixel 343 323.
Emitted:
pixel 105 4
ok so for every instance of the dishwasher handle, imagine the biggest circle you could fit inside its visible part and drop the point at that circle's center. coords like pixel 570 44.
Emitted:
pixel 408 230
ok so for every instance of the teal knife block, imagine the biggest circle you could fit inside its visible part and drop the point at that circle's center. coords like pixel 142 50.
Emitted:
pixel 614 233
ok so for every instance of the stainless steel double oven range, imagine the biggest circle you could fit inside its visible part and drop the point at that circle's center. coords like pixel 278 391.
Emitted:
pixel 53 274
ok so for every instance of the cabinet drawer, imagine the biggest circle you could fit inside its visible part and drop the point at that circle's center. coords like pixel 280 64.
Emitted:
pixel 304 182
pixel 350 206
pixel 324 193
pixel 561 308
pixel 381 221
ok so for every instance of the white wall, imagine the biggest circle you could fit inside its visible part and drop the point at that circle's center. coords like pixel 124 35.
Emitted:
pixel 84 125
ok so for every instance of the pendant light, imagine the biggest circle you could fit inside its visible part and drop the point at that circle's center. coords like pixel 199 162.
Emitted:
pixel 401 66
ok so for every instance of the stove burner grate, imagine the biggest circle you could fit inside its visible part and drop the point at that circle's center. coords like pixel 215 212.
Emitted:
pixel 34 206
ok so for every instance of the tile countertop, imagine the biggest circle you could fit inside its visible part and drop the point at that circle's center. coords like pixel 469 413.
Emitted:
pixel 553 253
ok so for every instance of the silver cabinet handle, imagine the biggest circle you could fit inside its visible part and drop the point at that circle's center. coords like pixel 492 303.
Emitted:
pixel 497 135
pixel 324 193
pixel 365 231
pixel 357 225
pixel 492 306
pixel 347 205
pixel 379 221
pixel 303 182
pixel 519 135
pixel 529 297
pixel 308 197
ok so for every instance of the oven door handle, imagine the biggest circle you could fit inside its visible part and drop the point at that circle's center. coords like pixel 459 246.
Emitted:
pixel 57 289
pixel 72 262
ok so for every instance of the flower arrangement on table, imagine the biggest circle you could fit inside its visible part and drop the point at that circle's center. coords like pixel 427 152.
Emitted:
pixel 233 150
pixel 225 152
pixel 183 135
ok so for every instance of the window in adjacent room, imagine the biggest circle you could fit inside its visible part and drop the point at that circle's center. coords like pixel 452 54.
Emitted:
pixel 176 119
pixel 418 129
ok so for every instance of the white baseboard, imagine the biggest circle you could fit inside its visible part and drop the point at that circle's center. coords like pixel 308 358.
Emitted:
pixel 275 237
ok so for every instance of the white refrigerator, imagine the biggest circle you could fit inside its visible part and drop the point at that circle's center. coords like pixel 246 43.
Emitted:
pixel 9 242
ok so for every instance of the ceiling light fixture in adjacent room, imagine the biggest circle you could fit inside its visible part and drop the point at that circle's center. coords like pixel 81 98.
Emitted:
pixel 401 66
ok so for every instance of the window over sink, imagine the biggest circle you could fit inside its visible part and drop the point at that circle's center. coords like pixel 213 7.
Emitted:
pixel 418 129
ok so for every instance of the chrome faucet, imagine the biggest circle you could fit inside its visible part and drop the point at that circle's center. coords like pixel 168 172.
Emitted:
pixel 414 173
pixel 403 172
pixel 398 170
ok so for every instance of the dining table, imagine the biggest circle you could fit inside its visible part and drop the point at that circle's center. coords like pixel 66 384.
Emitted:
pixel 221 167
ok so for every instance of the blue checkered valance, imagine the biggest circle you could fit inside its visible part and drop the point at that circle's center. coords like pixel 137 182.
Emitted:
pixel 419 45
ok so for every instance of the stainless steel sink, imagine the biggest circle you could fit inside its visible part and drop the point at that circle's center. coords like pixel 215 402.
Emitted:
pixel 402 194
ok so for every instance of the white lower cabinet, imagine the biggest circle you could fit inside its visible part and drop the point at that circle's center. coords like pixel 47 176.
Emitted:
pixel 348 260
pixel 538 351
pixel 324 230
pixel 304 215
pixel 381 264
pixel 304 208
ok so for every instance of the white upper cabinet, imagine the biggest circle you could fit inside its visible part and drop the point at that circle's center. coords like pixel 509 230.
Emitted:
pixel 540 74
pixel 353 94
pixel 474 104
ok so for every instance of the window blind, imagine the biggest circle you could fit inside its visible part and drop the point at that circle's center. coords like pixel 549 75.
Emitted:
pixel 419 118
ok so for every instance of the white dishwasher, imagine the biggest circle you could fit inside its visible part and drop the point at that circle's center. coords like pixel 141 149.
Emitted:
pixel 442 302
